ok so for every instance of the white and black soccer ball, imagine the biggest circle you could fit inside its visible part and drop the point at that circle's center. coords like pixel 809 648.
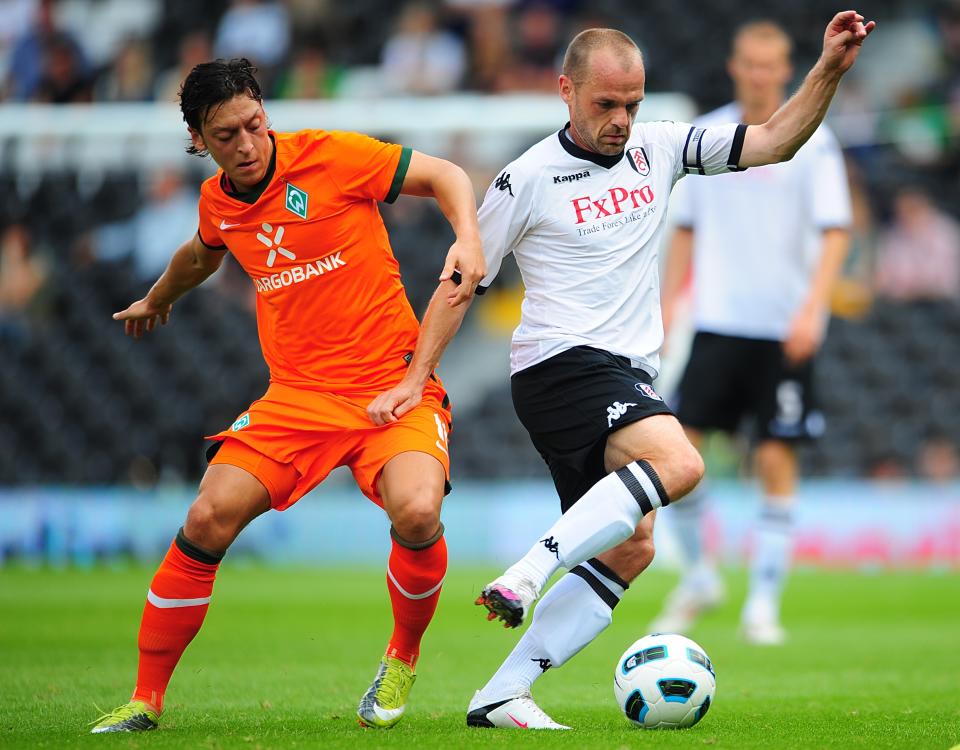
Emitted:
pixel 664 681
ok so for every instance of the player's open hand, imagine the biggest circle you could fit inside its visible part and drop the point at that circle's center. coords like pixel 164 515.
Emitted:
pixel 465 256
pixel 842 40
pixel 390 405
pixel 805 335
pixel 143 315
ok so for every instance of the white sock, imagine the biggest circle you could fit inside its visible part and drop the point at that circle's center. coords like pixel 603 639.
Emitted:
pixel 575 610
pixel 605 516
pixel 687 520
pixel 773 545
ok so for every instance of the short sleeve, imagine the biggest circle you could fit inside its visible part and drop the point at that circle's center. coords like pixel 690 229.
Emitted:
pixel 504 217
pixel 363 167
pixel 208 230
pixel 709 150
pixel 829 190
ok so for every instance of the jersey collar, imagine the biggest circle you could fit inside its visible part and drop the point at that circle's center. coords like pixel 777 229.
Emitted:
pixel 252 195
pixel 607 162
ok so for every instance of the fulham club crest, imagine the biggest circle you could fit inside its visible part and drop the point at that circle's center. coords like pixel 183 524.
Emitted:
pixel 638 160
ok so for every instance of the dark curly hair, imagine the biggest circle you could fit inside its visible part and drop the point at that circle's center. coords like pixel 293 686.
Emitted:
pixel 209 85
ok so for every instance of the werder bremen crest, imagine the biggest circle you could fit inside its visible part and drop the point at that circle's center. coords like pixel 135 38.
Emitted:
pixel 296 201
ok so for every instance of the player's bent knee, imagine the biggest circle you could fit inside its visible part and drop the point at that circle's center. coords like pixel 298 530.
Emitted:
pixel 418 518
pixel 687 471
pixel 208 526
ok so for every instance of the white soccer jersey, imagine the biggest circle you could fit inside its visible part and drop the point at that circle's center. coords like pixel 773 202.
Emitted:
pixel 586 231
pixel 758 235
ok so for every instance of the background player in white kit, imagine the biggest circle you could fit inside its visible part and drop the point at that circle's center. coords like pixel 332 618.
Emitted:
pixel 758 329
pixel 584 211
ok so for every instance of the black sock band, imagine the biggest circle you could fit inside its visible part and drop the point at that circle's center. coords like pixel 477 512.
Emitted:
pixel 636 489
pixel 607 571
pixel 194 552
pixel 416 545
pixel 606 595
pixel 655 480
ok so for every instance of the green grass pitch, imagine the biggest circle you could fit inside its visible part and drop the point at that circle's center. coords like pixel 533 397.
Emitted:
pixel 874 662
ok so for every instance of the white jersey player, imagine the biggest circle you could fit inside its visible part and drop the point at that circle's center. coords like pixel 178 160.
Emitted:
pixel 756 331
pixel 586 348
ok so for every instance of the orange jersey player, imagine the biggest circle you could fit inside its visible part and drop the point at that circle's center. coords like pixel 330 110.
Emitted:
pixel 299 213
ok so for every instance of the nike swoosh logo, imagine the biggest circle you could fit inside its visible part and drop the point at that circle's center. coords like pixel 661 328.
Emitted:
pixel 224 225
pixel 520 724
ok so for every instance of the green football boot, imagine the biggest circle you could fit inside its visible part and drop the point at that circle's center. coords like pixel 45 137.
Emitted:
pixel 135 716
pixel 383 704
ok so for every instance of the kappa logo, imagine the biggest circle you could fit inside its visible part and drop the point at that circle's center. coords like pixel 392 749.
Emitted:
pixel 576 177
pixel 637 158
pixel 647 391
pixel 274 244
pixel 615 411
pixel 551 546
pixel 503 183
pixel 296 200
pixel 545 664
pixel 244 421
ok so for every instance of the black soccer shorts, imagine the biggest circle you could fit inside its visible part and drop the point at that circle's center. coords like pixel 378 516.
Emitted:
pixel 730 379
pixel 571 402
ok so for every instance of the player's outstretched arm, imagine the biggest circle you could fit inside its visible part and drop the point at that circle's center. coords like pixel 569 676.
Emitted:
pixel 780 137
pixel 453 191
pixel 440 323
pixel 190 265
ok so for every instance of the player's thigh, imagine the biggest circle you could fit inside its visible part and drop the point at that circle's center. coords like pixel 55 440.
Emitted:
pixel 229 498
pixel 661 441
pixel 630 558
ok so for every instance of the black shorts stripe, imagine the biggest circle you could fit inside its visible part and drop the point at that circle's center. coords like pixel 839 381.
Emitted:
pixel 655 480
pixel 605 594
pixel 606 571
pixel 633 484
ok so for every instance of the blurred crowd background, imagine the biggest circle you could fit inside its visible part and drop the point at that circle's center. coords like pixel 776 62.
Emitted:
pixel 81 404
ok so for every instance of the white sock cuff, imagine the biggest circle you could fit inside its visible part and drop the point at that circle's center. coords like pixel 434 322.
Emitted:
pixel 776 515
pixel 607 591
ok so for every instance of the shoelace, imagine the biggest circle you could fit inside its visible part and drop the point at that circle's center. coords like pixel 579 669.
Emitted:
pixel 390 685
pixel 531 705
pixel 117 713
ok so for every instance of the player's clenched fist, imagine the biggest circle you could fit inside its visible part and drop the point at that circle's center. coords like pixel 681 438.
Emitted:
pixel 465 256
pixel 143 315
pixel 842 40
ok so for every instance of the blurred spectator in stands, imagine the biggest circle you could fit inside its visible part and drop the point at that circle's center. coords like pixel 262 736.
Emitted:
pixel 537 51
pixel 420 57
pixel 937 459
pixel 885 466
pixel 918 257
pixel 259 30
pixel 195 48
pixel 487 31
pixel 310 76
pixel 64 78
pixel 31 59
pixel 22 275
pixel 18 17
pixel 130 77
pixel 167 219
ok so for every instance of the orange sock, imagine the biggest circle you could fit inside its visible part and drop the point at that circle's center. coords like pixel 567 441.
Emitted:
pixel 176 605
pixel 414 577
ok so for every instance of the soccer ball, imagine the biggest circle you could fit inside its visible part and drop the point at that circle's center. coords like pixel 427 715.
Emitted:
pixel 664 681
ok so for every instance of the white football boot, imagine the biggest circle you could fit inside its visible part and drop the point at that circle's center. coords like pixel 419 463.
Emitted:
pixel 760 623
pixel 520 712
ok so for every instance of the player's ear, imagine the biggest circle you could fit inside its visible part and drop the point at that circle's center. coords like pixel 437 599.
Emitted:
pixel 199 147
pixel 566 89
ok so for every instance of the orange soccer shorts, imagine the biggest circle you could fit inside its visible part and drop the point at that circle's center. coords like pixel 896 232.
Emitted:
pixel 292 438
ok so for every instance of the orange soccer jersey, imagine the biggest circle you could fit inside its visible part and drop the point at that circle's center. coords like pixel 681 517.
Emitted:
pixel 334 322
pixel 331 310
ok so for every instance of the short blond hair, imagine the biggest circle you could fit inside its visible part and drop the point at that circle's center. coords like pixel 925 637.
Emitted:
pixel 763 30
pixel 584 44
